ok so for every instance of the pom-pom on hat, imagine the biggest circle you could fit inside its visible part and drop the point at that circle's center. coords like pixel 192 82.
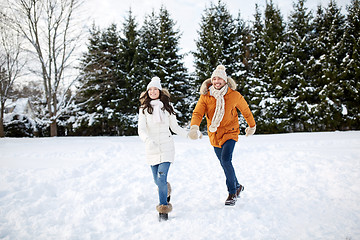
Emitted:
pixel 219 72
pixel 155 82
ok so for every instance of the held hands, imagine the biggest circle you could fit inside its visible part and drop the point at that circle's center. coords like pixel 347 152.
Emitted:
pixel 250 131
pixel 194 132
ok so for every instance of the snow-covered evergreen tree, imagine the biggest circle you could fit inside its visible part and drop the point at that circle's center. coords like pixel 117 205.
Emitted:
pixel 300 75
pixel 240 55
pixel 174 72
pixel 240 61
pixel 268 69
pixel 314 68
pixel 223 39
pixel 257 90
pixel 350 67
pixel 101 82
pixel 149 50
pixel 159 56
pixel 328 56
pixel 298 82
pixel 275 70
pixel 217 43
pixel 131 73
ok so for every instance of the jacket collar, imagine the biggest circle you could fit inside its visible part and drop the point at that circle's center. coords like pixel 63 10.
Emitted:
pixel 204 89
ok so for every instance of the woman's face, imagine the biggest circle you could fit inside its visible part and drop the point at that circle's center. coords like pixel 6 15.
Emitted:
pixel 218 82
pixel 154 93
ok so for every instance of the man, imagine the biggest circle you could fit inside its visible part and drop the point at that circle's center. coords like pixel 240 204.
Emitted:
pixel 219 102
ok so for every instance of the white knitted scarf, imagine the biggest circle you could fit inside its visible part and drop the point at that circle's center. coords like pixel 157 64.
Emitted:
pixel 220 107
pixel 158 113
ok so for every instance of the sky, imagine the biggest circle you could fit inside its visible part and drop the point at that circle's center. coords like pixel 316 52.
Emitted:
pixel 186 13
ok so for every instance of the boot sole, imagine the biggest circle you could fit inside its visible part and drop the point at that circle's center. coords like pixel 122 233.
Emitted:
pixel 163 217
pixel 232 203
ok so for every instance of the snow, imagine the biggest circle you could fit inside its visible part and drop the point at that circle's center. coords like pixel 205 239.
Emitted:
pixel 344 109
pixel 297 186
pixel 20 106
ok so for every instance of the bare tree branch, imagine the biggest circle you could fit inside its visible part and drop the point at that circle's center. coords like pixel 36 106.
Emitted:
pixel 10 65
pixel 48 27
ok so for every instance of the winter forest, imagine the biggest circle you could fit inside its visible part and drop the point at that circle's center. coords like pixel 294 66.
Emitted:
pixel 299 74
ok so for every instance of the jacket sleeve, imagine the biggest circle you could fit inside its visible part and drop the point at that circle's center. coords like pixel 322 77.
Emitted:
pixel 174 126
pixel 142 126
pixel 245 111
pixel 199 111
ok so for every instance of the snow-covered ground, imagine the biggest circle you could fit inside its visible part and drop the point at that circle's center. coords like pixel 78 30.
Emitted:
pixel 297 186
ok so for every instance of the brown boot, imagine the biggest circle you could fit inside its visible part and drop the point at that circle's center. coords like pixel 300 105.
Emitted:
pixel 169 192
pixel 164 211
pixel 231 200
pixel 239 190
pixel 164 208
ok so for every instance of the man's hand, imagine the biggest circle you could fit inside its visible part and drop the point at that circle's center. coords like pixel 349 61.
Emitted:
pixel 194 132
pixel 250 131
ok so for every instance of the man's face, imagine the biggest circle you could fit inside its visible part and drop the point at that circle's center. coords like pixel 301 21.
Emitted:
pixel 218 82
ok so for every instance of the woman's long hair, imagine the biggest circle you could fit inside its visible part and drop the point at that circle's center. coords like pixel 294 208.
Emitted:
pixel 164 98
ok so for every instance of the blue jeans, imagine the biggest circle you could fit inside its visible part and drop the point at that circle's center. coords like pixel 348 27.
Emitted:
pixel 224 155
pixel 160 172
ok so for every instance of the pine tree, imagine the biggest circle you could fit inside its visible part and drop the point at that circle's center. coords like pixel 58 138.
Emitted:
pixel 175 76
pixel 149 51
pixel 208 54
pixel 268 69
pixel 131 73
pixel 350 67
pixel 330 53
pixel 88 83
pixel 257 59
pixel 240 61
pixel 100 91
pixel 277 114
pixel 217 43
pixel 240 55
pixel 299 91
pixel 159 53
pixel 314 69
pixel 225 40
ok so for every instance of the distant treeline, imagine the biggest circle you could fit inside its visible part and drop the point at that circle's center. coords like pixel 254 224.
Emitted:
pixel 299 74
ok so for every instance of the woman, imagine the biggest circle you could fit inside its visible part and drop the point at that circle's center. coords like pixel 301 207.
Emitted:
pixel 156 116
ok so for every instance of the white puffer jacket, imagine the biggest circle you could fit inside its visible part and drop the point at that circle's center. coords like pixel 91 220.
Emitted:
pixel 159 144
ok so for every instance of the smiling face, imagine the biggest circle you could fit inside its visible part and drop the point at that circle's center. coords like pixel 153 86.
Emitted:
pixel 218 82
pixel 154 93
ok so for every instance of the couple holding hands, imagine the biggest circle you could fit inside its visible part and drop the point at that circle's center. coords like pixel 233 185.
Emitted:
pixel 219 102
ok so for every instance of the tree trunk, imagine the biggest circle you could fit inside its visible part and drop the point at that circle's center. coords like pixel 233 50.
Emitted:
pixel 53 129
pixel 2 133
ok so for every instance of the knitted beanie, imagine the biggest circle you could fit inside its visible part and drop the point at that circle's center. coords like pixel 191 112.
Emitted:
pixel 155 82
pixel 219 72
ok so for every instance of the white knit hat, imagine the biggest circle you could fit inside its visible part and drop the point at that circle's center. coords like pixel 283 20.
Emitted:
pixel 155 82
pixel 219 72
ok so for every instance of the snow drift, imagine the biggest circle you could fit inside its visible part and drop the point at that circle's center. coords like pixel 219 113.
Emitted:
pixel 297 186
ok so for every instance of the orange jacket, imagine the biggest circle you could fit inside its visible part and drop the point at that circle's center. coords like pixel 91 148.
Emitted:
pixel 229 126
